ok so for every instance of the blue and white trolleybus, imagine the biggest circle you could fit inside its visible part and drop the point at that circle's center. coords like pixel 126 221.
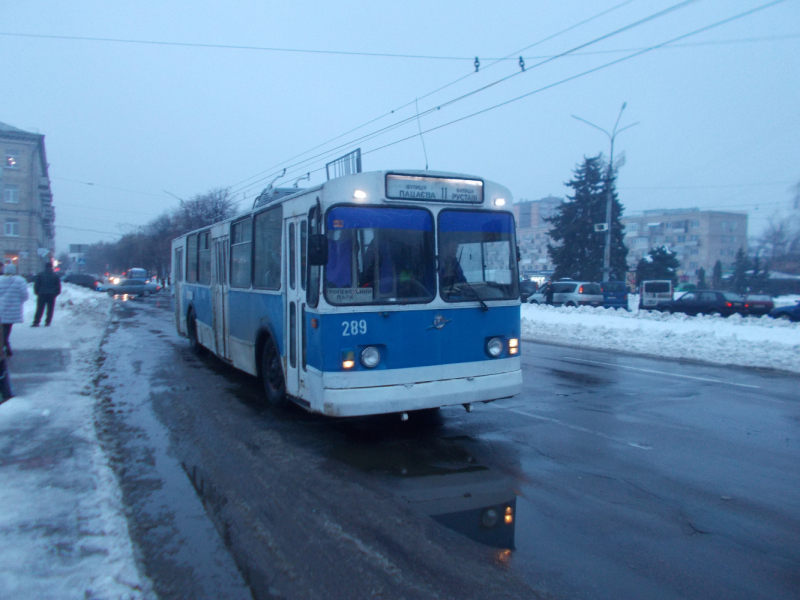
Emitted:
pixel 380 292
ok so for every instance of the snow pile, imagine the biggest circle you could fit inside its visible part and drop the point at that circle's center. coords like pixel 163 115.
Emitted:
pixel 62 530
pixel 749 341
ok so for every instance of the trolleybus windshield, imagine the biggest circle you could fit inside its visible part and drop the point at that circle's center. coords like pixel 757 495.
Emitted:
pixel 477 256
pixel 379 256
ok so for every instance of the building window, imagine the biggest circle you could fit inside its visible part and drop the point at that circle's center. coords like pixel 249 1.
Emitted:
pixel 692 265
pixel 12 159
pixel 632 227
pixel 11 194
pixel 681 238
pixel 694 251
pixel 695 223
pixel 694 238
pixel 12 227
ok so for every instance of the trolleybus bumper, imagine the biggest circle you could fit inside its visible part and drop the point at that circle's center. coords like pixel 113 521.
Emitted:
pixel 352 402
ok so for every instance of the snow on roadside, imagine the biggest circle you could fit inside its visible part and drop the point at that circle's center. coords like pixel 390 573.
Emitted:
pixel 750 341
pixel 63 532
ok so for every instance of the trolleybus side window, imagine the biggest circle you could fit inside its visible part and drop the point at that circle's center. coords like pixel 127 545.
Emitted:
pixel 303 253
pixel 379 255
pixel 204 258
pixel 477 256
pixel 191 258
pixel 312 294
pixel 241 253
pixel 292 252
pixel 267 249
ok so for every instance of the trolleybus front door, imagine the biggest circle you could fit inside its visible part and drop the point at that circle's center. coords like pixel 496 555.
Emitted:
pixel 219 285
pixel 295 304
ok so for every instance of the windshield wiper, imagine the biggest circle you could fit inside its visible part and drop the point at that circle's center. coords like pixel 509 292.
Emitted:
pixel 484 306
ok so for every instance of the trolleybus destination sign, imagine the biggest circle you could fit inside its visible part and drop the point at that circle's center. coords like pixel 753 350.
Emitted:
pixel 441 189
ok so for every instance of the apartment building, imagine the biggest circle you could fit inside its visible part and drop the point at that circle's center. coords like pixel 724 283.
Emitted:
pixel 699 238
pixel 533 234
pixel 27 237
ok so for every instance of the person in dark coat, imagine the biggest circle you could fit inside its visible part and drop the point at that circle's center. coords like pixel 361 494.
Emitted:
pixel 46 286
pixel 548 292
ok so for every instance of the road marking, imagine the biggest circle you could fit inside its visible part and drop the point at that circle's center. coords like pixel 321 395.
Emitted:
pixel 579 428
pixel 595 362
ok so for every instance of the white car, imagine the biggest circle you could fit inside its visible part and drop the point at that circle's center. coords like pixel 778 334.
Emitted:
pixel 571 293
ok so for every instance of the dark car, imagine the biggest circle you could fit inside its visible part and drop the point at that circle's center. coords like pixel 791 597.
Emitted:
pixel 526 288
pixel 705 303
pixel 86 280
pixel 615 294
pixel 131 287
pixel 791 313
pixel 758 304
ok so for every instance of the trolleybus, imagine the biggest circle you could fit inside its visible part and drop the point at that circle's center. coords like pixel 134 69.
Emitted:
pixel 379 292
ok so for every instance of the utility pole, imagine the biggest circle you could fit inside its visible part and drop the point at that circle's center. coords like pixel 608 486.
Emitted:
pixel 609 189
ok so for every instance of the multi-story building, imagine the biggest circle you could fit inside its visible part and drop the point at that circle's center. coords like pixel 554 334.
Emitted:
pixel 533 235
pixel 27 236
pixel 699 238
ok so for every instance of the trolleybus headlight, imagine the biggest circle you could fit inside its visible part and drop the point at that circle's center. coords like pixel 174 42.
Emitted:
pixel 494 347
pixel 370 357
pixel 348 359
pixel 359 195
pixel 513 346
pixel 509 516
pixel 489 518
pixel 500 202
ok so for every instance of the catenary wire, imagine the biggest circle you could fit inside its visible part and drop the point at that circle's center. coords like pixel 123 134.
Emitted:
pixel 478 90
pixel 582 74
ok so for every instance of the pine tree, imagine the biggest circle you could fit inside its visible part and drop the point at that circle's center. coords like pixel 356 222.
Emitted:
pixel 577 249
pixel 740 268
pixel 716 276
pixel 660 263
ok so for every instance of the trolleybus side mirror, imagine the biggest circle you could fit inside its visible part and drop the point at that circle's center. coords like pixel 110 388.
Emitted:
pixel 317 249
pixel 519 255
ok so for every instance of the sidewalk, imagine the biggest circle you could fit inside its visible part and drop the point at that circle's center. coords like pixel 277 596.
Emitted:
pixel 63 533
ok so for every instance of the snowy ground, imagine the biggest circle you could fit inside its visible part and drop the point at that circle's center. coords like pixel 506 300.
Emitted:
pixel 749 341
pixel 63 533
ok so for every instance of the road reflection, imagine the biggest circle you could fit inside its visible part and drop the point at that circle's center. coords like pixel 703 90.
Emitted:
pixel 435 476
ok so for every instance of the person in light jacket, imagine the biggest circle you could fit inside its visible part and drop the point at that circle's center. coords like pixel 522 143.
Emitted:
pixel 13 293
pixel 46 286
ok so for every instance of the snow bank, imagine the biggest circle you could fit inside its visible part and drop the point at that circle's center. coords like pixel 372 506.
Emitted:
pixel 63 533
pixel 749 341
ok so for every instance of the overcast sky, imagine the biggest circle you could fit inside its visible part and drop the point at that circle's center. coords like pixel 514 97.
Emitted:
pixel 145 123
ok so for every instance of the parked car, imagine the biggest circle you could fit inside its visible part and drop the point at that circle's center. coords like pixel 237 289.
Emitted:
pixel 758 304
pixel 707 302
pixel 526 288
pixel 86 280
pixel 792 313
pixel 131 287
pixel 654 291
pixel 615 294
pixel 572 293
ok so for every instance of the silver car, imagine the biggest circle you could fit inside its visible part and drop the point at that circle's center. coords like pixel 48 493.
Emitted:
pixel 132 287
pixel 571 293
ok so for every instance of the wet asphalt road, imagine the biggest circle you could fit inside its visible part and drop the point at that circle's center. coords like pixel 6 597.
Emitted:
pixel 634 477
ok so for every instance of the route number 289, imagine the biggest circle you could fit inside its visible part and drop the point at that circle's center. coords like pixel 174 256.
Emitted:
pixel 354 327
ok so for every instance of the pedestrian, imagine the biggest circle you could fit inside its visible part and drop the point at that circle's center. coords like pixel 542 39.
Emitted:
pixel 548 292
pixel 13 293
pixel 46 286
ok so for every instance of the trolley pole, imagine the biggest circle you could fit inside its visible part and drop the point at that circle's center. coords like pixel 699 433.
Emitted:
pixel 609 188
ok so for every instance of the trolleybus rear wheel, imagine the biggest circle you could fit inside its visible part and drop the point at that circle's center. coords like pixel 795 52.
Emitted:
pixel 191 332
pixel 272 375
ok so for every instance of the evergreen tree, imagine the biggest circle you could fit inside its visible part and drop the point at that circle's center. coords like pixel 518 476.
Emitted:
pixel 701 279
pixel 660 263
pixel 577 249
pixel 740 268
pixel 716 276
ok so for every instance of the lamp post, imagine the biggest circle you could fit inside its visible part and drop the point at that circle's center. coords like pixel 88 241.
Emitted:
pixel 609 191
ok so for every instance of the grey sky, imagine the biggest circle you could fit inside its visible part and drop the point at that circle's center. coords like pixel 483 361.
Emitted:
pixel 718 128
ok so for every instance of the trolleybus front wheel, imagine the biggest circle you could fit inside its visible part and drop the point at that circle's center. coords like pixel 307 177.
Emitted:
pixel 272 375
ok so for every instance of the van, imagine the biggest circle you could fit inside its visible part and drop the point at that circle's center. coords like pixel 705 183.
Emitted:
pixel 615 294
pixel 136 273
pixel 654 291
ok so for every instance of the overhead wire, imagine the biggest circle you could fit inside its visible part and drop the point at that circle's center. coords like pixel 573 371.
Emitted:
pixel 439 89
pixel 397 124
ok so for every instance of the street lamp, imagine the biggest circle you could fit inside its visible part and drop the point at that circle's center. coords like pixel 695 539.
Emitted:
pixel 610 193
